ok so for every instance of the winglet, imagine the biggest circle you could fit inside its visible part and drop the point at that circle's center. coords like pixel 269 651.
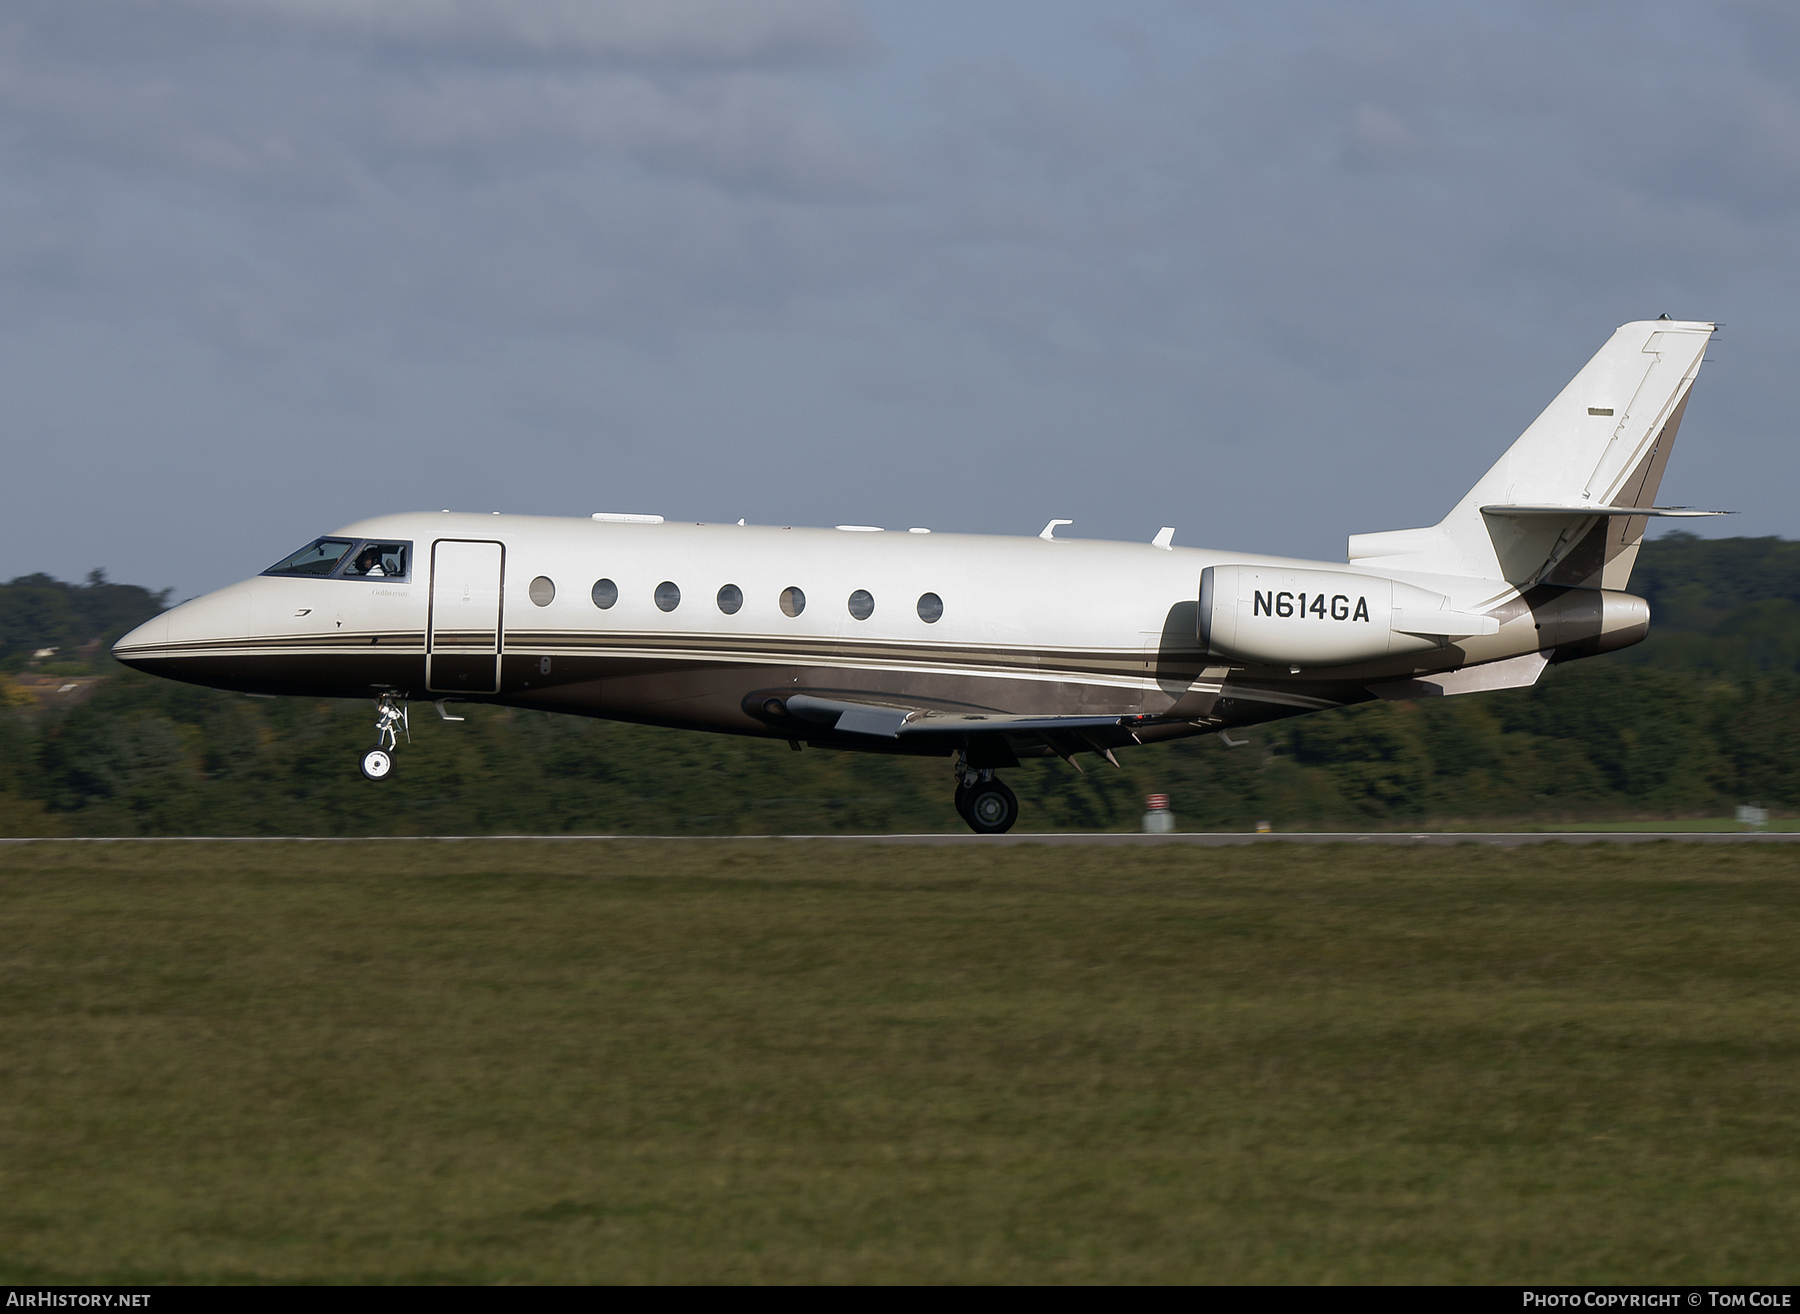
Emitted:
pixel 1049 534
pixel 1165 538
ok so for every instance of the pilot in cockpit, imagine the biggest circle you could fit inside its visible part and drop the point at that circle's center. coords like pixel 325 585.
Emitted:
pixel 368 562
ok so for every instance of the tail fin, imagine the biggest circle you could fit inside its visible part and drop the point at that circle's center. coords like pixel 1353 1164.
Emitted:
pixel 1550 509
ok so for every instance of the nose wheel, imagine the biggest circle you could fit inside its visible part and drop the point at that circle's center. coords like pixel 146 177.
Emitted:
pixel 390 722
pixel 984 801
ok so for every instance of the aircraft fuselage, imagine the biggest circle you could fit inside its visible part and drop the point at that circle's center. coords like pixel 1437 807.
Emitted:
pixel 697 630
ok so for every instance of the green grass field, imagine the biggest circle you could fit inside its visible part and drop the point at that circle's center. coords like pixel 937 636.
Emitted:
pixel 772 1061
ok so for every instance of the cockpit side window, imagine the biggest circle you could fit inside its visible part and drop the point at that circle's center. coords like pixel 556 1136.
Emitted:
pixel 319 557
pixel 378 561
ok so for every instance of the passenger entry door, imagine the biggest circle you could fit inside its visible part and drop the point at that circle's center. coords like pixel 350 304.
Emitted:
pixel 462 633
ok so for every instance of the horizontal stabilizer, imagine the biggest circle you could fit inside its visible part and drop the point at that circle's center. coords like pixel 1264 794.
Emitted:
pixel 890 721
pixel 1568 511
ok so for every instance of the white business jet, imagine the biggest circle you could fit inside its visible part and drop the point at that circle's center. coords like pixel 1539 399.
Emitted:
pixel 981 649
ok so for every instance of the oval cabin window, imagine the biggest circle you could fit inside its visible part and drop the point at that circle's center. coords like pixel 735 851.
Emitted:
pixel 542 591
pixel 668 596
pixel 605 593
pixel 931 608
pixel 862 604
pixel 731 597
pixel 793 601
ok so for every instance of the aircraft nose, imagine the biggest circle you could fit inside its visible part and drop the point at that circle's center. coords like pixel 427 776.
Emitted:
pixel 142 642
pixel 174 643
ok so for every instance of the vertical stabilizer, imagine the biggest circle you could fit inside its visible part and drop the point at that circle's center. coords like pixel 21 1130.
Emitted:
pixel 1603 442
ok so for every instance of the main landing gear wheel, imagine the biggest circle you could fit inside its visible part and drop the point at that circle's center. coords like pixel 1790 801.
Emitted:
pixel 988 806
pixel 377 764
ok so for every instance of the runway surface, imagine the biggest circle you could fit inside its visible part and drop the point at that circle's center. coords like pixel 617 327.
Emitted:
pixel 1501 839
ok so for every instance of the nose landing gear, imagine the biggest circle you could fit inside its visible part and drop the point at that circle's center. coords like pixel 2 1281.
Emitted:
pixel 390 719
pixel 984 801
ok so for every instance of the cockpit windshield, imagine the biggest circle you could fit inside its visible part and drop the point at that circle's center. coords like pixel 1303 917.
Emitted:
pixel 378 561
pixel 347 558
pixel 319 557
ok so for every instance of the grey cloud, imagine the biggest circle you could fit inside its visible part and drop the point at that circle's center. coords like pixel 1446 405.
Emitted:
pixel 741 129
pixel 716 32
pixel 295 120
pixel 1258 259
pixel 1375 137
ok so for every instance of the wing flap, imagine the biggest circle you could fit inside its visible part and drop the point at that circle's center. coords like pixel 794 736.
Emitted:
pixel 972 723
pixel 890 721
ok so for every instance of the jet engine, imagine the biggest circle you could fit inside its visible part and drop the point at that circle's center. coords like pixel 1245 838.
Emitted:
pixel 1310 618
pixel 1585 622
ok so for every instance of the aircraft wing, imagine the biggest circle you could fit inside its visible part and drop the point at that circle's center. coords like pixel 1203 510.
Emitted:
pixel 892 720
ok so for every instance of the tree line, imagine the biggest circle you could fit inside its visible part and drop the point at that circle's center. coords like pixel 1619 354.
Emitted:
pixel 1701 716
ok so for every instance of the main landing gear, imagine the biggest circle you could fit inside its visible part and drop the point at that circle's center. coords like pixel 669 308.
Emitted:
pixel 390 720
pixel 984 801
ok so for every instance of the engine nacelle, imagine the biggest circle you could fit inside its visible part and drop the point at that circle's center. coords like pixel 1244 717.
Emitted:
pixel 1289 617
pixel 1583 622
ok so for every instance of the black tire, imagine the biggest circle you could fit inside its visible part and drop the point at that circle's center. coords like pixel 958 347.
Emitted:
pixel 377 764
pixel 990 808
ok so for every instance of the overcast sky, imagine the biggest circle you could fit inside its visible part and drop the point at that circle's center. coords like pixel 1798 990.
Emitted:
pixel 1271 273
